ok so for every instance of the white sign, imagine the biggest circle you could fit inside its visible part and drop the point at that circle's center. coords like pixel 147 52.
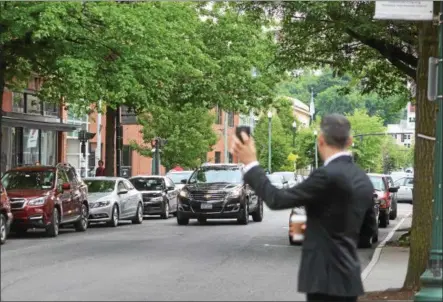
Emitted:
pixel 32 139
pixel 404 10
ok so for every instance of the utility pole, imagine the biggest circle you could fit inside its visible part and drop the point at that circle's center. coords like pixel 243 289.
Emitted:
pixel 269 141
pixel 431 280
pixel 98 149
pixel 225 137
pixel 119 140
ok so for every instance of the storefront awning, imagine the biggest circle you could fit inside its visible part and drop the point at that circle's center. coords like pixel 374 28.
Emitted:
pixel 34 124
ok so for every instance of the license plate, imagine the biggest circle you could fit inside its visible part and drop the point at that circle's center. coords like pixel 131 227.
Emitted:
pixel 206 206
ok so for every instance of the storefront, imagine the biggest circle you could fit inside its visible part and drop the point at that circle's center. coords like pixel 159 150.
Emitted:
pixel 31 133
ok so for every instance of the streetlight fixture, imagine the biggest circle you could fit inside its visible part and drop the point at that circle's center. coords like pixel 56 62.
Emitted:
pixel 269 140
pixel 294 128
pixel 316 149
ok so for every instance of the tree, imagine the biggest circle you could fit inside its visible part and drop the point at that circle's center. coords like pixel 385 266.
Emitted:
pixel 279 143
pixel 305 148
pixel 384 55
pixel 188 132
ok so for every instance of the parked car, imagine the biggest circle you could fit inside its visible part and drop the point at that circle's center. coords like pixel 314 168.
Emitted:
pixel 179 178
pixel 400 174
pixel 297 227
pixel 387 194
pixel 406 187
pixel 5 215
pixel 112 199
pixel 278 181
pixel 159 194
pixel 47 197
pixel 217 191
pixel 289 177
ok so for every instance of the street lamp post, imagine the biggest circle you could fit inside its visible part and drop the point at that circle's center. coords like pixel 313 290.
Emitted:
pixel 269 140
pixel 294 128
pixel 316 149
pixel 431 280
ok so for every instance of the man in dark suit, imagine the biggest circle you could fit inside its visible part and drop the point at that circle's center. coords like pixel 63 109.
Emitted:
pixel 338 199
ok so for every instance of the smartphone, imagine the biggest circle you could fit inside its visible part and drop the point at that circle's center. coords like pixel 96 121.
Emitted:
pixel 240 129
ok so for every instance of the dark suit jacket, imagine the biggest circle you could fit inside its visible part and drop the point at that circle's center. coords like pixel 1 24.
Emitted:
pixel 336 197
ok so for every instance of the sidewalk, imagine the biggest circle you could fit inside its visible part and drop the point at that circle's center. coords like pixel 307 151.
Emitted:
pixel 389 272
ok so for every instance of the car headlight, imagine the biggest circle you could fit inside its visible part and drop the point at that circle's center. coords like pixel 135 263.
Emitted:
pixel 184 193
pixel 100 204
pixel 37 201
pixel 159 198
pixel 235 193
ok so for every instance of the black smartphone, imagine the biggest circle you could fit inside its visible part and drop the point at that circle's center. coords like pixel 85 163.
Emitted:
pixel 240 129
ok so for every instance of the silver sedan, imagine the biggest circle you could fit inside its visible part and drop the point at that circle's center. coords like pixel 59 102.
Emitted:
pixel 112 199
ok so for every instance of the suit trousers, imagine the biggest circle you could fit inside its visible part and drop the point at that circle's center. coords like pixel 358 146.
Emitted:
pixel 328 298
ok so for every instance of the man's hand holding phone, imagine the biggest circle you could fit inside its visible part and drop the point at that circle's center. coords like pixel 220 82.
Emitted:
pixel 243 145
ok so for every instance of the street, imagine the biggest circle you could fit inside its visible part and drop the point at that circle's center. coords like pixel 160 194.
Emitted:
pixel 160 260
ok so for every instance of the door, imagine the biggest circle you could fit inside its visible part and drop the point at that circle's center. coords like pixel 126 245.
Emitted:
pixel 409 187
pixel 133 197
pixel 172 194
pixel 76 193
pixel 64 196
pixel 125 206
pixel 401 194
pixel 253 200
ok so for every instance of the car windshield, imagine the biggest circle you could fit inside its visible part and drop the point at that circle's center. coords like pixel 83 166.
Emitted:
pixel 178 176
pixel 214 175
pixel 29 180
pixel 100 186
pixel 275 179
pixel 147 183
pixel 377 182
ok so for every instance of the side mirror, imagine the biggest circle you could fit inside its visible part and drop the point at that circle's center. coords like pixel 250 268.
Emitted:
pixel 184 181
pixel 393 190
pixel 123 191
pixel 66 186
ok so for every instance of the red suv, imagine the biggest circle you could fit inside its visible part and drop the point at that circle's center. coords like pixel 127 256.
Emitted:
pixel 46 197
pixel 5 215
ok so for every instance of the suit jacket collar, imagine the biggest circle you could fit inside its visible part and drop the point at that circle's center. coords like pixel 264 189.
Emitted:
pixel 340 156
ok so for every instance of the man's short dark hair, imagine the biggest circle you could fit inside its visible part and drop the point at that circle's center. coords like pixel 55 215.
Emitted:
pixel 336 130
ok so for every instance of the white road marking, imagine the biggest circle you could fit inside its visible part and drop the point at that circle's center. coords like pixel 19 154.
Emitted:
pixel 276 245
pixel 377 252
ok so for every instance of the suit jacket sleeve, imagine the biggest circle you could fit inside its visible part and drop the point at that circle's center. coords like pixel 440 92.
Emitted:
pixel 308 192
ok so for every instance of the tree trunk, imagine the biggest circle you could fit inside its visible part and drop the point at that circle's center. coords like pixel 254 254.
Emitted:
pixel 111 114
pixel 424 161
pixel 2 88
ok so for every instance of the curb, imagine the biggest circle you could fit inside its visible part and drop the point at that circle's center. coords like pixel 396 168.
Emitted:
pixel 376 256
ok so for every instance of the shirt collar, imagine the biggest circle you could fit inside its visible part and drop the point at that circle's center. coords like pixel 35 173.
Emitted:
pixel 337 155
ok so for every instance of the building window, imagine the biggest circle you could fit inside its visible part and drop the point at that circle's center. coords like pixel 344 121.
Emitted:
pixel 409 145
pixel 48 147
pixel 127 156
pixel 18 102
pixel 412 119
pixel 33 104
pixel 218 116
pixel 231 119
pixel 231 158
pixel 31 146
pixel 217 159
pixel 403 138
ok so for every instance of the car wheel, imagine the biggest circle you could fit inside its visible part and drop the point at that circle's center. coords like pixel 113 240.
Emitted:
pixel 383 220
pixel 114 217
pixel 138 219
pixel 393 214
pixel 82 224
pixel 202 220
pixel 53 228
pixel 2 229
pixel 165 214
pixel 182 220
pixel 244 215
pixel 257 216
pixel 365 242
pixel 375 236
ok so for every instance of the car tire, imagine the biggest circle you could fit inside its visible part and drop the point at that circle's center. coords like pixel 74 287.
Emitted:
pixel 257 216
pixel 53 228
pixel 3 230
pixel 165 214
pixel 138 219
pixel 375 236
pixel 292 242
pixel 383 220
pixel 202 220
pixel 182 220
pixel 244 215
pixel 81 225
pixel 114 217
pixel 393 214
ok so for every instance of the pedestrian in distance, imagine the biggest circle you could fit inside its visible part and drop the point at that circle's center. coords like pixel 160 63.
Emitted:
pixel 100 171
pixel 338 199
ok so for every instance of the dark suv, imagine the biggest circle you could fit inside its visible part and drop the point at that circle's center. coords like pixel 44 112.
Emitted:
pixel 5 215
pixel 46 197
pixel 217 191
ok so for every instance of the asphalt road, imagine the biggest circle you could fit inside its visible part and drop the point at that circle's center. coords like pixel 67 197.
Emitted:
pixel 160 260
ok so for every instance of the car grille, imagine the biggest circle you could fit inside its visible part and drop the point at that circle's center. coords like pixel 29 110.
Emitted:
pixel 205 196
pixel 148 196
pixel 17 203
